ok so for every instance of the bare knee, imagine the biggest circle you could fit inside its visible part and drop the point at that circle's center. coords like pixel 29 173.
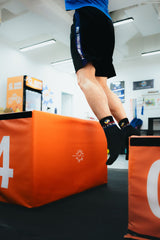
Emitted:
pixel 85 76
pixel 102 81
pixel 82 81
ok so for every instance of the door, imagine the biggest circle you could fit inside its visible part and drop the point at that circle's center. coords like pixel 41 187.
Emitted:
pixel 66 104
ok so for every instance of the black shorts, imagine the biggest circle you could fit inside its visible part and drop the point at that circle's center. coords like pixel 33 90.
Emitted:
pixel 92 41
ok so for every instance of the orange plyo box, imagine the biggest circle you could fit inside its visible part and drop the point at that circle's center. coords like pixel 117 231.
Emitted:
pixel 144 188
pixel 45 157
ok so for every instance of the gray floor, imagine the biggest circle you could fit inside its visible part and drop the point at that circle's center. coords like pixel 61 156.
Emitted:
pixel 100 213
pixel 120 163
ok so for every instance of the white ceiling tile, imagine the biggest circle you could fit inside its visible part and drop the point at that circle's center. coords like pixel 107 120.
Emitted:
pixel 145 19
pixel 115 5
pixel 15 6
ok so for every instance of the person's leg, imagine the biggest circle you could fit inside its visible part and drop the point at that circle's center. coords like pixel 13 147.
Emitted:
pixel 98 102
pixel 118 112
pixel 93 91
pixel 114 102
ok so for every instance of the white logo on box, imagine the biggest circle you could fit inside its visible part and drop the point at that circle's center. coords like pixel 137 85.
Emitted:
pixel 5 171
pixel 153 188
pixel 79 156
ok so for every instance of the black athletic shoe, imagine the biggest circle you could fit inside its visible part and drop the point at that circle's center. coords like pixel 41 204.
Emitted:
pixel 127 132
pixel 114 140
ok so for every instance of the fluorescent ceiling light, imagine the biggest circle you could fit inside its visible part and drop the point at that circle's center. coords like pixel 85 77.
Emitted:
pixel 123 21
pixel 151 53
pixel 61 62
pixel 41 44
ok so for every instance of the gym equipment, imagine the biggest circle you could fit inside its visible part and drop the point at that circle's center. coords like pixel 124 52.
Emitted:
pixel 45 157
pixel 144 188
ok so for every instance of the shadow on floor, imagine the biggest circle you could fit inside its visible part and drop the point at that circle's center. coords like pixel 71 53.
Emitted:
pixel 100 213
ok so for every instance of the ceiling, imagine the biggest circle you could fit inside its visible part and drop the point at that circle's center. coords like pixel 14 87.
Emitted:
pixel 27 22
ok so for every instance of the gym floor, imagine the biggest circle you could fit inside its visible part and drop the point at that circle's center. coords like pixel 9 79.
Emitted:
pixel 100 213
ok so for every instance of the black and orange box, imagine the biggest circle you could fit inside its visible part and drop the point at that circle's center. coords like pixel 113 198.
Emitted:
pixel 144 188
pixel 45 157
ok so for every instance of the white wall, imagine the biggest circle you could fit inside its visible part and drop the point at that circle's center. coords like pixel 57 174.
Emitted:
pixel 138 70
pixel 14 63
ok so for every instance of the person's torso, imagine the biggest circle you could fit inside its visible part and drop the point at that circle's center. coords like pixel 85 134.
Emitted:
pixel 102 5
